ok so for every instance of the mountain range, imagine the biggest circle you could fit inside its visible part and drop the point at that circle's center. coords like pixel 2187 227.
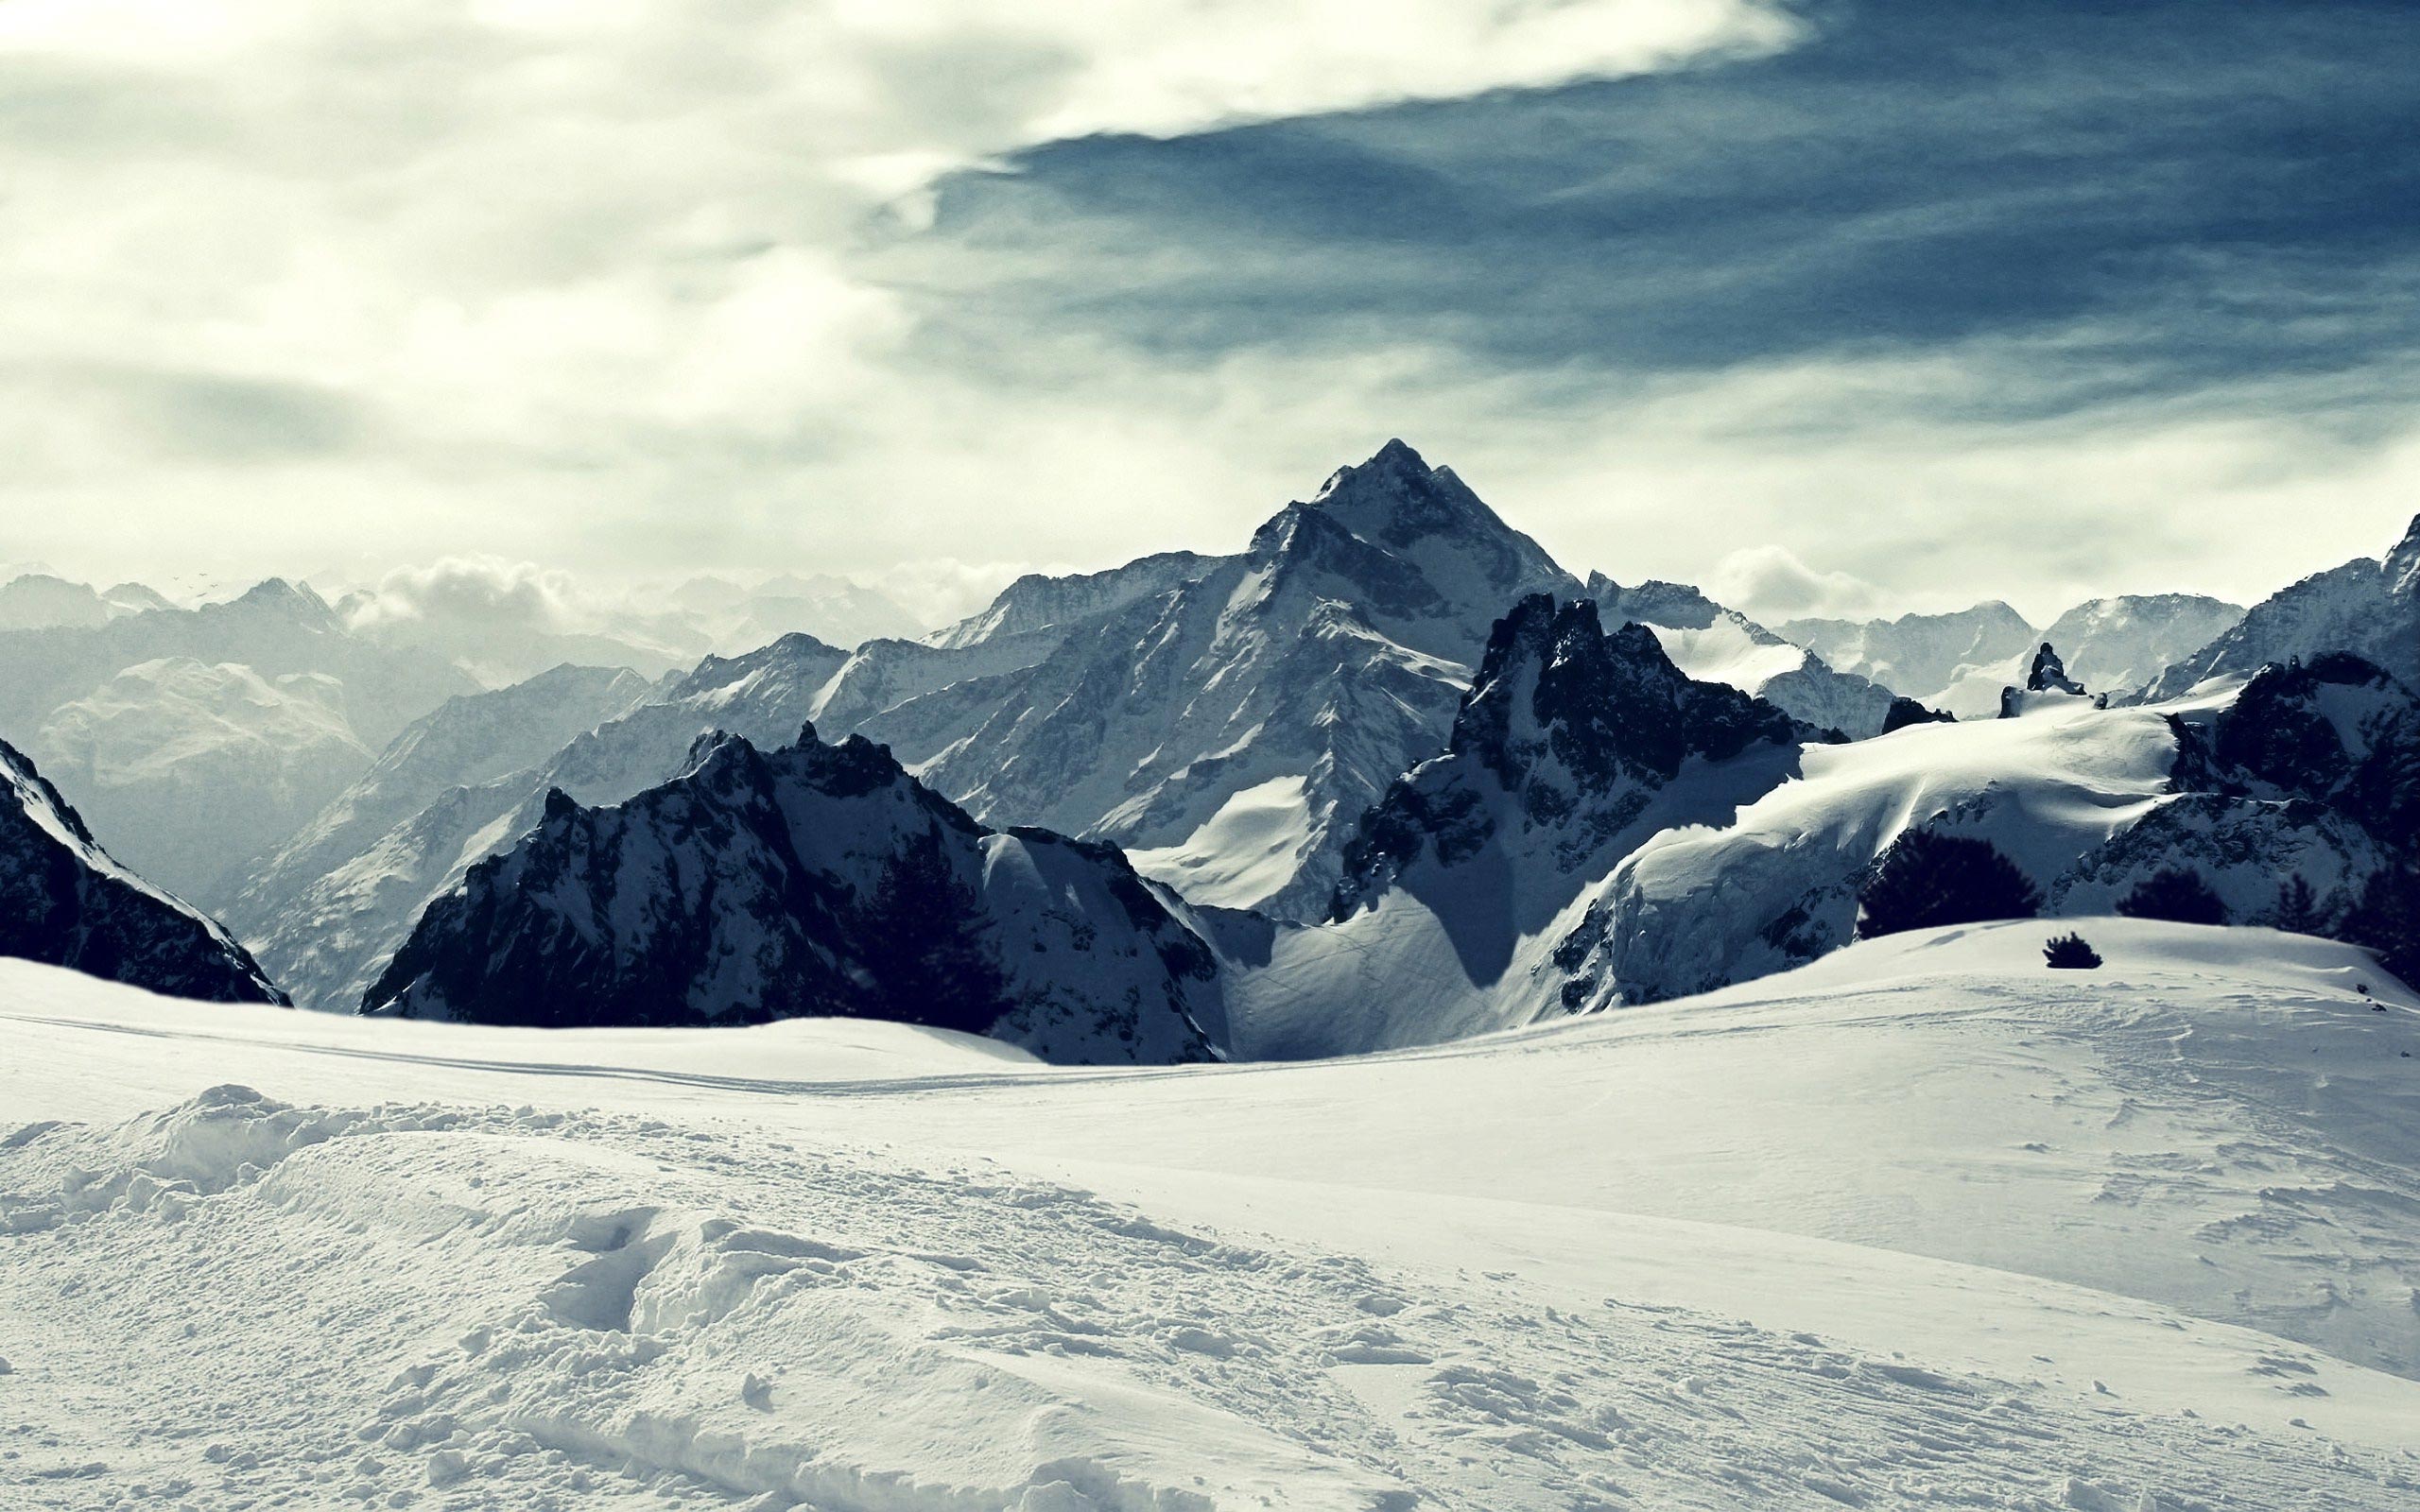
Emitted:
pixel 1387 775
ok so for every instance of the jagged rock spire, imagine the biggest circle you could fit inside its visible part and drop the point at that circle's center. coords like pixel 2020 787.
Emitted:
pixel 2048 673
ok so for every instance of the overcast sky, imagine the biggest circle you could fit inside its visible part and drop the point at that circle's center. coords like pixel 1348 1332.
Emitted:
pixel 1835 306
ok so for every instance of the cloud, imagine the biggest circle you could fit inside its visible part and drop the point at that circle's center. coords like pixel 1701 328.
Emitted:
pixel 1952 302
pixel 468 597
pixel 1771 583
pixel 470 246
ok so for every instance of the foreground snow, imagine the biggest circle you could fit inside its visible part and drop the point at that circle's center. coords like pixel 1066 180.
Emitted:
pixel 1923 1224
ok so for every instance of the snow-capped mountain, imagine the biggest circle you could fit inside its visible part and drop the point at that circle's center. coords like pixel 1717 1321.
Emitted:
pixel 1960 662
pixel 327 922
pixel 1920 655
pixel 39 601
pixel 2087 802
pixel 1717 645
pixel 65 902
pixel 2118 645
pixel 2369 607
pixel 811 880
pixel 36 601
pixel 275 628
pixel 1572 747
pixel 465 742
pixel 188 769
pixel 1230 730
pixel 1565 738
pixel 1038 601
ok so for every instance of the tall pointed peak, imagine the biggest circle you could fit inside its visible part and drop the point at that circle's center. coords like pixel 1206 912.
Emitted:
pixel 2403 562
pixel 1394 470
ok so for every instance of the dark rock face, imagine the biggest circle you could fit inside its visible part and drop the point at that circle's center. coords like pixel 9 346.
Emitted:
pixel 812 880
pixel 2048 675
pixel 1577 730
pixel 2337 731
pixel 63 902
pixel 1906 711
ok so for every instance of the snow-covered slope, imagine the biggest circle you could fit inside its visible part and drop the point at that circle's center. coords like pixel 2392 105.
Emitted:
pixel 2369 607
pixel 330 921
pixel 65 902
pixel 1922 1226
pixel 2086 801
pixel 1331 652
pixel 812 880
pixel 188 770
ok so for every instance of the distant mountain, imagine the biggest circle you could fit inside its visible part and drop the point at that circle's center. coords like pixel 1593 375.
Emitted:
pixel 190 769
pixel 65 902
pixel 1230 728
pixel 1920 655
pixel 328 914
pixel 736 616
pixel 276 630
pixel 1717 644
pixel 1960 662
pixel 1036 602
pixel 467 740
pixel 1572 747
pixel 809 880
pixel 2371 608
pixel 2118 644
pixel 39 601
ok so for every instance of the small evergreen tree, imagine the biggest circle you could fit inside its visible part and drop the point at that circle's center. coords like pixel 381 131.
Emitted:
pixel 1927 880
pixel 2296 910
pixel 2177 894
pixel 2068 953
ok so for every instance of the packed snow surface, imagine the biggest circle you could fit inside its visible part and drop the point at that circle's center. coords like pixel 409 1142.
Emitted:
pixel 1923 1224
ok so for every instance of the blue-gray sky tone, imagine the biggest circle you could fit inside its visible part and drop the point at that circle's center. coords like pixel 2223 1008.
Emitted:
pixel 1864 304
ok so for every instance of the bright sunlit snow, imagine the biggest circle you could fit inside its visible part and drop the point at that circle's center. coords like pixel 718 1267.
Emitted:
pixel 1924 1223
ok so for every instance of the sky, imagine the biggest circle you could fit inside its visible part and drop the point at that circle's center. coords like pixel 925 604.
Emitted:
pixel 1850 306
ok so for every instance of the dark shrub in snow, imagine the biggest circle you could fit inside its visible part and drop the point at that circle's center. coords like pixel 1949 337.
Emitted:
pixel 2068 953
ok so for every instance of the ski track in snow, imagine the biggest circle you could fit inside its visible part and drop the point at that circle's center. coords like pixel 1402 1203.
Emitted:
pixel 242 1304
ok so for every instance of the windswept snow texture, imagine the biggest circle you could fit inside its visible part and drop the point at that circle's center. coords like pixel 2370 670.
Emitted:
pixel 63 900
pixel 1924 1226
pixel 2371 608
pixel 812 880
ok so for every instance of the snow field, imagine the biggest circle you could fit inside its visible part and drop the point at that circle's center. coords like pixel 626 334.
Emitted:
pixel 1791 1246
